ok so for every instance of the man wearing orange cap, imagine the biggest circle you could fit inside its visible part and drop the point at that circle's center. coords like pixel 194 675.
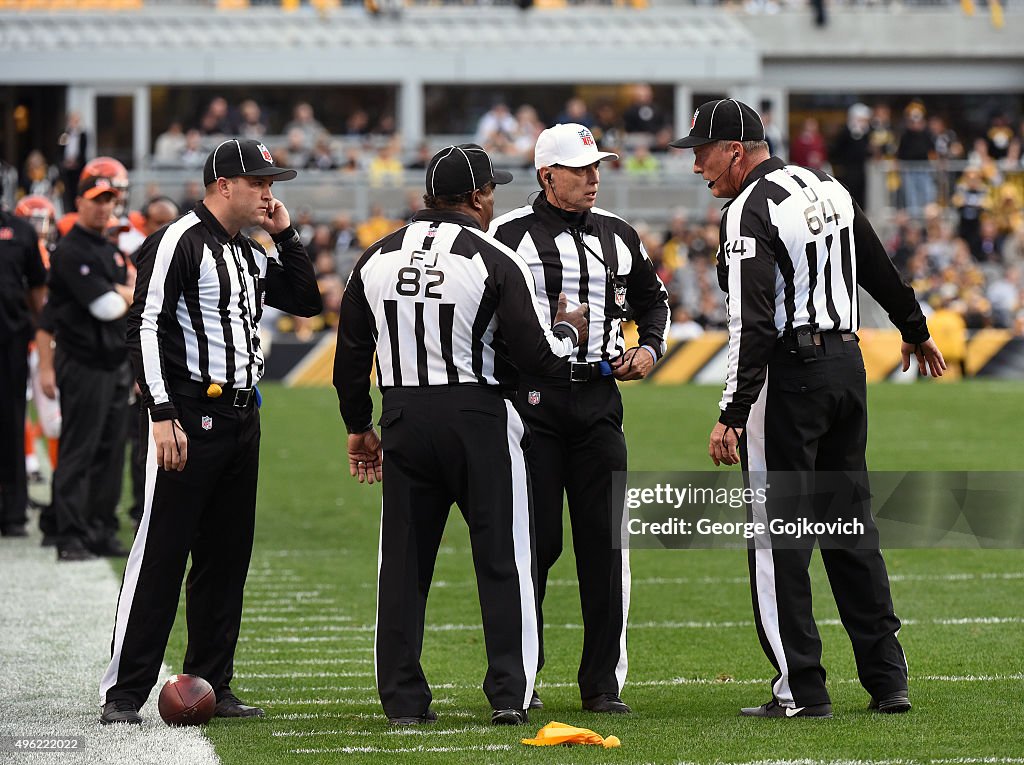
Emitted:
pixel 89 297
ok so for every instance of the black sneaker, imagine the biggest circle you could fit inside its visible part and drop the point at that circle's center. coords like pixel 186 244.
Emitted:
pixel 73 550
pixel 508 717
pixel 892 703
pixel 774 709
pixel 229 705
pixel 14 530
pixel 426 718
pixel 606 703
pixel 120 712
pixel 535 702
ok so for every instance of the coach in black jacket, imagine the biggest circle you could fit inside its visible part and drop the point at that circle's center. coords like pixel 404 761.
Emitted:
pixel 193 333
pixel 794 249
pixel 575 417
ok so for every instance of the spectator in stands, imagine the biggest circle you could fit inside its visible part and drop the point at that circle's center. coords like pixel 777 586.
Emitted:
pixel 298 148
pixel 322 157
pixel 345 243
pixel 251 123
pixel 576 111
pixel 641 163
pixel 218 119
pixel 772 132
pixel 528 127
pixel 971 199
pixel 948 148
pixel 194 154
pixel 607 128
pixel 683 326
pixel 808 149
pixel 643 115
pixel 497 125
pixel 989 246
pixel 883 138
pixel 375 227
pixel 851 150
pixel 413 204
pixel 662 139
pixel 357 123
pixel 916 148
pixel 193 193
pixel 385 167
pixel 353 162
pixel 72 147
pixel 38 178
pixel 170 146
pixel 304 121
pixel 422 158
pixel 385 126
pixel 999 135
pixel 1003 295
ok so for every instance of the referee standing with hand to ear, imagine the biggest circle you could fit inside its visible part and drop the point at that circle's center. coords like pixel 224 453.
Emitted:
pixel 795 247
pixel 575 412
pixel 193 334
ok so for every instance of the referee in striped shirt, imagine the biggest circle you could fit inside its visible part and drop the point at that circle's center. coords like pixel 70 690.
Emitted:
pixel 575 414
pixel 794 249
pixel 451 316
pixel 193 334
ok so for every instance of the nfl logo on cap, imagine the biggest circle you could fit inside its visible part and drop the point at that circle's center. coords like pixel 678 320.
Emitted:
pixel 265 153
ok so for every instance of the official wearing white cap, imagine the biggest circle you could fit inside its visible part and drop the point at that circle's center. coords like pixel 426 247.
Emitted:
pixel 575 417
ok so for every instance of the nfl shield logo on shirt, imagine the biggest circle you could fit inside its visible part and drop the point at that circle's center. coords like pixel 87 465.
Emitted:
pixel 207 423
pixel 620 296
pixel 533 397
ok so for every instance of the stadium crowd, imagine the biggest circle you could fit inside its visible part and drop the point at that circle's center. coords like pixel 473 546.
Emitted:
pixel 956 228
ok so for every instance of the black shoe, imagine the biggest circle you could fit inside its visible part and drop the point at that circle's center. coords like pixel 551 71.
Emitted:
pixel 108 547
pixel 120 712
pixel 424 719
pixel 892 703
pixel 606 703
pixel 535 702
pixel 14 530
pixel 508 717
pixel 774 709
pixel 229 705
pixel 50 540
pixel 73 550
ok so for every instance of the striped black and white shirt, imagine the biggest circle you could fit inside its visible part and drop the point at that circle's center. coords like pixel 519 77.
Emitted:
pixel 595 258
pixel 794 248
pixel 441 303
pixel 199 296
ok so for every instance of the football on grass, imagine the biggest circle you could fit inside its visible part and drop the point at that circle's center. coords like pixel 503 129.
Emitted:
pixel 186 700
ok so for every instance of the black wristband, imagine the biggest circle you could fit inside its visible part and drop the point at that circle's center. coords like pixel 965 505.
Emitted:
pixel 286 237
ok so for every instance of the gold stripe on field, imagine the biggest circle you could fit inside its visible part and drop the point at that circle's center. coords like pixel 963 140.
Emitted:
pixel 983 346
pixel 687 359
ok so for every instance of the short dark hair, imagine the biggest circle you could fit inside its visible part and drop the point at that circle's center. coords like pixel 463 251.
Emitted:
pixel 452 201
pixel 156 200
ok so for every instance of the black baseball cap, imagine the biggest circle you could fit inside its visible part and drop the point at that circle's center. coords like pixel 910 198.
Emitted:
pixel 457 169
pixel 723 120
pixel 236 157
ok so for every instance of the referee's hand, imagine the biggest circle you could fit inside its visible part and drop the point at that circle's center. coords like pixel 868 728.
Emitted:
pixel 929 358
pixel 365 457
pixel 723 446
pixel 579 318
pixel 171 445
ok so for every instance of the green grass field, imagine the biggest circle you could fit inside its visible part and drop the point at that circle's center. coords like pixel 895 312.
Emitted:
pixel 306 650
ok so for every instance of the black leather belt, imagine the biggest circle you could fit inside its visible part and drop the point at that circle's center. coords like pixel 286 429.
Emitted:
pixel 238 397
pixel 585 371
pixel 790 342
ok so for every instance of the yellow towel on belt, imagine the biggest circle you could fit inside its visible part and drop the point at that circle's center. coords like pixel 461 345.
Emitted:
pixel 555 733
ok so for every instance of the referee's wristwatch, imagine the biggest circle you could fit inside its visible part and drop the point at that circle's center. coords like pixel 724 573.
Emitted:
pixel 286 238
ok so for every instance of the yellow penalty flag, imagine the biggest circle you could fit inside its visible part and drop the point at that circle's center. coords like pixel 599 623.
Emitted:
pixel 555 733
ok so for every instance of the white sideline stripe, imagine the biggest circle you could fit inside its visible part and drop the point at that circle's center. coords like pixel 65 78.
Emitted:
pixel 403 750
pixel 949 622
pixel 309 675
pixel 743 580
pixel 290 620
pixel 253 657
pixel 55 649
pixel 350 715
pixel 392 732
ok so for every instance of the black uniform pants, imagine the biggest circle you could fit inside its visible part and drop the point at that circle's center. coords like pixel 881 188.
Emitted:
pixel 576 443
pixel 90 456
pixel 13 481
pixel 462 445
pixel 208 510
pixel 813 417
